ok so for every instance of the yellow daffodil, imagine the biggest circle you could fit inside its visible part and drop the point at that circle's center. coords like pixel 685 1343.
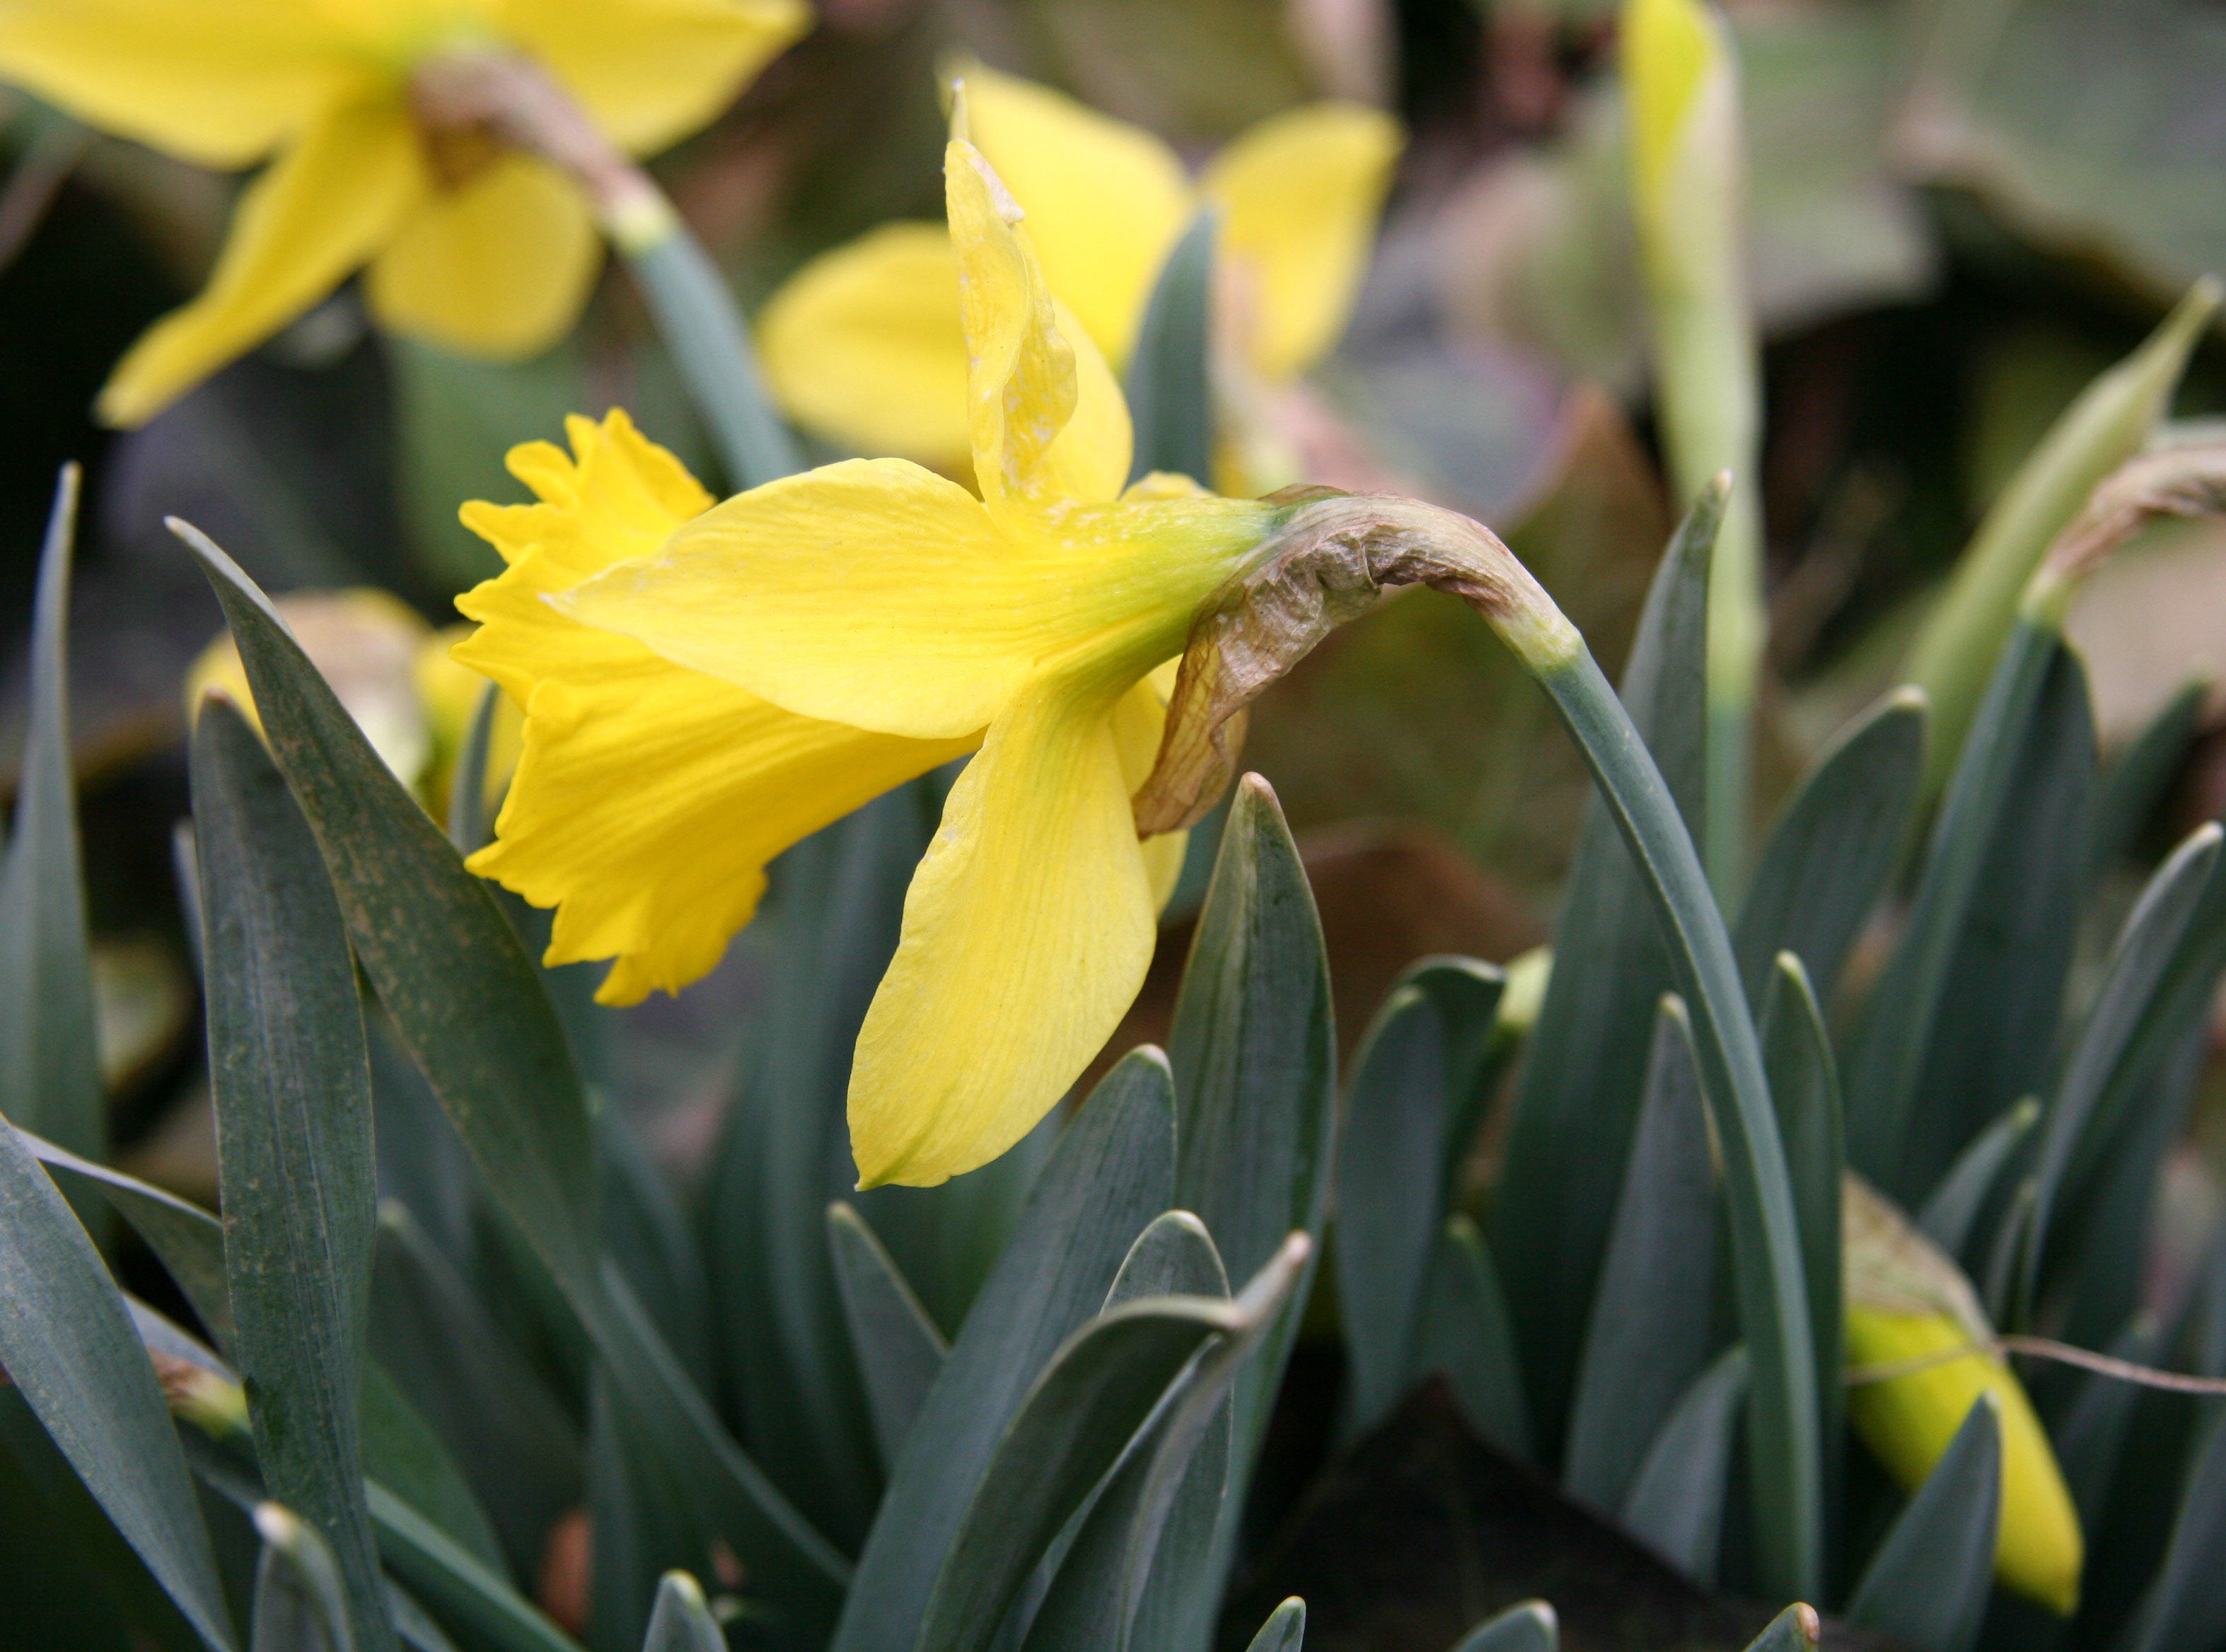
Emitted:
pixel 862 344
pixel 469 243
pixel 705 684
pixel 1908 1301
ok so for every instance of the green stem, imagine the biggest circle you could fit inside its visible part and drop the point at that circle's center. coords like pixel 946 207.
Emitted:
pixel 694 312
pixel 1783 1435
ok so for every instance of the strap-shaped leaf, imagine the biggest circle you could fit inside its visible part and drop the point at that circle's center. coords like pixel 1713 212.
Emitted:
pixel 2135 785
pixel 1576 1103
pixel 302 1603
pixel 492 1409
pixel 69 1348
pixel 899 1349
pixel 648 1234
pixel 1467 993
pixel 2153 940
pixel 1467 1335
pixel 1254 1052
pixel 639 1527
pixel 292 1088
pixel 1652 1321
pixel 1092 1398
pixel 682 1621
pixel 1962 1021
pixel 830 925
pixel 470 1007
pixel 1285 1629
pixel 1112 1171
pixel 1798 1629
pixel 2184 1610
pixel 467 785
pixel 1531 1627
pixel 447 1577
pixel 1132 1567
pixel 1833 849
pixel 1170 379
pixel 1676 1506
pixel 1390 1160
pixel 1926 1585
pixel 49 1063
pixel 1804 1087
pixel 1950 1217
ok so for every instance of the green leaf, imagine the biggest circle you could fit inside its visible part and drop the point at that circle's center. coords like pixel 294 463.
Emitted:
pixel 639 1525
pixel 1675 1504
pixel 682 1621
pixel 69 1348
pixel 1112 1171
pixel 1834 847
pixel 1091 1401
pixel 467 801
pixel 1254 1052
pixel 1926 1586
pixel 1804 1087
pixel 1962 1021
pixel 1285 1629
pixel 1652 1320
pixel 697 315
pixel 2186 1609
pixel 513 1437
pixel 49 1063
pixel 1130 1570
pixel 1794 1629
pixel 1467 993
pixel 470 1007
pixel 646 1234
pixel 186 1240
pixel 1531 1627
pixel 464 1592
pixel 1390 1156
pixel 1576 1102
pixel 2134 786
pixel 1170 380
pixel 2154 937
pixel 1950 1217
pixel 1954 658
pixel 399 1447
pixel 1466 1335
pixel 292 1088
pixel 830 925
pixel 899 1349
pixel 301 1602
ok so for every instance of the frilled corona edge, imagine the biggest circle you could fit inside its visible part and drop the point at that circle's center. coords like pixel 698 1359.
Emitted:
pixel 1332 556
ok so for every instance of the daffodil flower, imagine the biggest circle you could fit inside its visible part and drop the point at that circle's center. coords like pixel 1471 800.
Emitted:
pixel 706 684
pixel 470 242
pixel 860 346
pixel 1908 1301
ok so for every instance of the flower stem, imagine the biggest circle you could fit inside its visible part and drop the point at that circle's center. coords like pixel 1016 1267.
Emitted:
pixel 514 98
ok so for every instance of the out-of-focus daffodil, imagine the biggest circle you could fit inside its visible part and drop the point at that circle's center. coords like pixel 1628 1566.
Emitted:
pixel 470 243
pixel 1906 1300
pixel 396 675
pixel 862 344
pixel 706 684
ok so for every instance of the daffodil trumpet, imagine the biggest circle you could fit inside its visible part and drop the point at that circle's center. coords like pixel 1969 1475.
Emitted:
pixel 705 684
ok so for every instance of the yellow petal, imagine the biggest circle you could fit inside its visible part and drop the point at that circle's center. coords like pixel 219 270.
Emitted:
pixel 1027 932
pixel 323 208
pixel 1300 195
pixel 876 594
pixel 1908 1421
pixel 1047 422
pixel 1670 47
pixel 616 495
pixel 653 71
pixel 650 798
pixel 498 267
pixel 1138 721
pixel 219 82
pixel 862 347
pixel 1105 201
